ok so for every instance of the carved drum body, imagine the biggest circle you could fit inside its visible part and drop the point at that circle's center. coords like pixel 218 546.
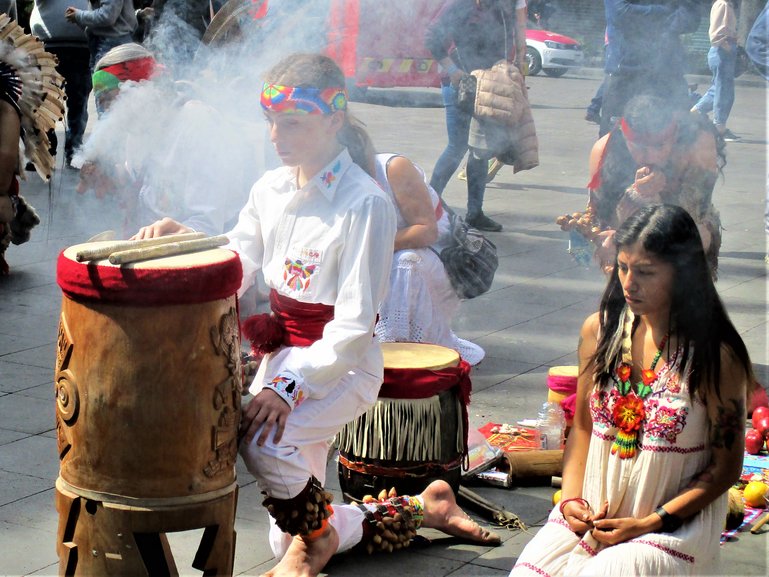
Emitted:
pixel 148 382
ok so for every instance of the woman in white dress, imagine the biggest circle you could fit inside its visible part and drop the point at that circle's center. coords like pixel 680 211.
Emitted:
pixel 658 435
pixel 421 302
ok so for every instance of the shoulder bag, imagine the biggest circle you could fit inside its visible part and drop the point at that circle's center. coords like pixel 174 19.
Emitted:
pixel 470 260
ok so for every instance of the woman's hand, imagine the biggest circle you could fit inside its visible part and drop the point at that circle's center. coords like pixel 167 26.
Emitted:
pixel 613 531
pixel 265 408
pixel 579 516
pixel 162 227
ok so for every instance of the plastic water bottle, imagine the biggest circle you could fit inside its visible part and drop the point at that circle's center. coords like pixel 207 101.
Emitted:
pixel 551 422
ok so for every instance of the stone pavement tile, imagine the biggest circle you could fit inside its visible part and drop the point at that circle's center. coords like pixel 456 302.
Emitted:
pixel 8 436
pixel 748 556
pixel 494 370
pixel 37 511
pixel 27 414
pixel 17 322
pixel 43 357
pixel 18 376
pixel 756 342
pixel 35 456
pixel 515 399
pixel 15 487
pixel 26 550
pixel 44 392
pixel 496 311
pixel 10 344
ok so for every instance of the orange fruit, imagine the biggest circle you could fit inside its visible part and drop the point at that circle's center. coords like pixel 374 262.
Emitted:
pixel 754 494
pixel 557 497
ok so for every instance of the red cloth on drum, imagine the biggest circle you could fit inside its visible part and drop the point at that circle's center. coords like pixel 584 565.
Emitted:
pixel 292 323
pixel 139 286
pixel 425 383
pixel 562 384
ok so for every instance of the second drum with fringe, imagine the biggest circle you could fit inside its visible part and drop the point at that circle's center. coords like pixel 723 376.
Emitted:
pixel 417 430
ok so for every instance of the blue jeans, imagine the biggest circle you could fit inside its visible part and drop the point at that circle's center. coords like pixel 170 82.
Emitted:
pixel 720 96
pixel 74 67
pixel 458 129
pixel 100 45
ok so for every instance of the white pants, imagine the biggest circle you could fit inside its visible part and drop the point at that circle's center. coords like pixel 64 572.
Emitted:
pixel 282 470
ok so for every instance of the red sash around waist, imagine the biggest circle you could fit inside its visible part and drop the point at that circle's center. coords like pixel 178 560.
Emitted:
pixel 292 323
pixel 425 383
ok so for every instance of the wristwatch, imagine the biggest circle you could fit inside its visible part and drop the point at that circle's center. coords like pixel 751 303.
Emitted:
pixel 670 522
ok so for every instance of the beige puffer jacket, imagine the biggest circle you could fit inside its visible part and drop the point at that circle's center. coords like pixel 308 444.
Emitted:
pixel 501 96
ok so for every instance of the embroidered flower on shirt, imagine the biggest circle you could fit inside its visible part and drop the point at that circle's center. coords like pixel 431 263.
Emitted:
pixel 601 404
pixel 297 275
pixel 674 383
pixel 330 175
pixel 664 422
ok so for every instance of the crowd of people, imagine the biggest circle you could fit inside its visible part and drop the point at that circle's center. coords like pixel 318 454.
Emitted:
pixel 659 423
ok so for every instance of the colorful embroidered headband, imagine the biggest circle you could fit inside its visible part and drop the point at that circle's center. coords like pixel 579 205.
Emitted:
pixel 653 139
pixel 301 100
pixel 110 77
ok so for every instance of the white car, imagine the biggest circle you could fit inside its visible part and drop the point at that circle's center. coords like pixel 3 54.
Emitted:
pixel 551 52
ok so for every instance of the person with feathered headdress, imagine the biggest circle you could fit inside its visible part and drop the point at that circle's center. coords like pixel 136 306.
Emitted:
pixel 31 102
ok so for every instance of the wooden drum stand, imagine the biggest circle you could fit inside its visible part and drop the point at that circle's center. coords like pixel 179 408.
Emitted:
pixel 148 382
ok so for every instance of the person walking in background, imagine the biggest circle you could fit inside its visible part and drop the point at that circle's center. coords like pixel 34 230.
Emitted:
pixel 644 53
pixel 107 24
pixel 467 35
pixel 757 47
pixel 722 58
pixel 69 43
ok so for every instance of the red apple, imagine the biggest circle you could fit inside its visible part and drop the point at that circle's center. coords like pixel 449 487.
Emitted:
pixel 759 413
pixel 754 441
pixel 762 426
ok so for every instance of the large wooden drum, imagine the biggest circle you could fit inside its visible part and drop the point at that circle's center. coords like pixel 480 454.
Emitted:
pixel 417 430
pixel 148 378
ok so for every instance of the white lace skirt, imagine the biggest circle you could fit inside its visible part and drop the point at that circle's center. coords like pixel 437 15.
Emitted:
pixel 421 304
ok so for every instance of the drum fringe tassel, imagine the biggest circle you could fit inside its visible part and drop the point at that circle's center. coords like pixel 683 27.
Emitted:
pixel 398 430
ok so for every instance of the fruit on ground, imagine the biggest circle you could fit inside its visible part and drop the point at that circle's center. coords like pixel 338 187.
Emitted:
pixel 754 441
pixel 557 497
pixel 754 494
pixel 759 413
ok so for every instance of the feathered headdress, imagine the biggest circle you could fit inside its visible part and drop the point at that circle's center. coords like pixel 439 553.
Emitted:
pixel 36 89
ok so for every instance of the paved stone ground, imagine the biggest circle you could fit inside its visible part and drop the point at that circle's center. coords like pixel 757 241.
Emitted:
pixel 527 323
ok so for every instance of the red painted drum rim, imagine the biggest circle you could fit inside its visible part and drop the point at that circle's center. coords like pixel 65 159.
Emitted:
pixel 182 279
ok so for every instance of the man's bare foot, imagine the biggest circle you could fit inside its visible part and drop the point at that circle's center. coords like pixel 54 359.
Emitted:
pixel 443 513
pixel 306 558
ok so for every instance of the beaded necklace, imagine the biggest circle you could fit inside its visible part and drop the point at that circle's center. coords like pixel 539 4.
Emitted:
pixel 629 411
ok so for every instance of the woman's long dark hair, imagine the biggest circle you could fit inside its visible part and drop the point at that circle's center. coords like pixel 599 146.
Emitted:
pixel 698 319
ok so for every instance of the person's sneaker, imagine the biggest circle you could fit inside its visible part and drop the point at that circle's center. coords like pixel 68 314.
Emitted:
pixel 29 167
pixel 483 222
pixel 462 174
pixel 593 117
pixel 494 167
pixel 729 136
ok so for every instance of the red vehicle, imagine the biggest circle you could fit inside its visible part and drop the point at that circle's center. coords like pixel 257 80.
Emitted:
pixel 374 46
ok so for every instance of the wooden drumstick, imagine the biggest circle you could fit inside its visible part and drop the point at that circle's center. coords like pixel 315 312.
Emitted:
pixel 169 249
pixel 760 523
pixel 106 250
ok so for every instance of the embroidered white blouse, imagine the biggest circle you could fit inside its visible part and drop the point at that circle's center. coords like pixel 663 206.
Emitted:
pixel 328 242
